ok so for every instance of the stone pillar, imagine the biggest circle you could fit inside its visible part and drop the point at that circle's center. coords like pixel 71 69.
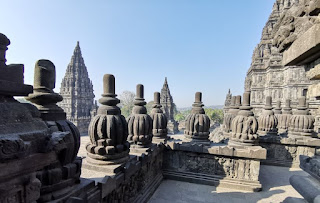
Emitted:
pixel 277 110
pixel 197 123
pixel 284 118
pixel 231 114
pixel 159 119
pixel 140 123
pixel 67 171
pixel 244 125
pixel 267 121
pixel 301 123
pixel 108 130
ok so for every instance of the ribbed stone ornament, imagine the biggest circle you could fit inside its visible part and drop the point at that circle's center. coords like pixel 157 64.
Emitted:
pixel 45 99
pixel 108 129
pixel 159 119
pixel 197 123
pixel 62 131
pixel 244 125
pixel 284 118
pixel 301 123
pixel 267 121
pixel 140 123
pixel 232 113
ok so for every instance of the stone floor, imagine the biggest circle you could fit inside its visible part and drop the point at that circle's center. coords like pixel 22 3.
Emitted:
pixel 275 182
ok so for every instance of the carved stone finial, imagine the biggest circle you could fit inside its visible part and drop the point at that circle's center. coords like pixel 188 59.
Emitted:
pixel 238 101
pixel 244 125
pixel 140 123
pixel 197 123
pixel 231 114
pixel 4 42
pixel 277 111
pixel 301 123
pixel 284 118
pixel 159 127
pixel 43 95
pixel 108 129
pixel 268 122
pixel 64 135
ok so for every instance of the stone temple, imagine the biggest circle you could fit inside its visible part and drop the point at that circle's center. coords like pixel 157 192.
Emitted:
pixel 43 157
pixel 77 92
pixel 168 108
pixel 267 75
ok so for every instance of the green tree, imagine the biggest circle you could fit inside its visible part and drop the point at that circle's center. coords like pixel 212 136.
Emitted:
pixel 126 102
pixel 216 115
pixel 179 117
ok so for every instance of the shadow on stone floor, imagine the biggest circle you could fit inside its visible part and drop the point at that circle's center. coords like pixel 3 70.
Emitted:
pixel 274 180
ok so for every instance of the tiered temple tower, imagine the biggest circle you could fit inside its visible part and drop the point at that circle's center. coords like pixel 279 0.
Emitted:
pixel 267 76
pixel 77 92
pixel 168 108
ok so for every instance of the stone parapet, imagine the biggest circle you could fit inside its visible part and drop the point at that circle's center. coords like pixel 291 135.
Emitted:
pixel 218 165
pixel 285 151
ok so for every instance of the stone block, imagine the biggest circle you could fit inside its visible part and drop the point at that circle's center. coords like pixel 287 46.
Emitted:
pixel 305 49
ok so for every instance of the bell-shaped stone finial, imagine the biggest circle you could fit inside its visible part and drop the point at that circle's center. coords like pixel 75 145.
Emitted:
pixel 197 123
pixel 301 123
pixel 4 43
pixel 62 132
pixel 244 125
pixel 268 122
pixel 231 114
pixel 108 129
pixel 140 123
pixel 284 118
pixel 43 95
pixel 159 127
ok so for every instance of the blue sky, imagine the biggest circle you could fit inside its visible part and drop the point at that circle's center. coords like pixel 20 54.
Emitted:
pixel 199 45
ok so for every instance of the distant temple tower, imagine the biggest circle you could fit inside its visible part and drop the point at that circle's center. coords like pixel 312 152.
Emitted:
pixel 227 102
pixel 168 108
pixel 77 92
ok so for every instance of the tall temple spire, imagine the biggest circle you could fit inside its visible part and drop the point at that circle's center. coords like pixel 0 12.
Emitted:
pixel 77 92
pixel 168 107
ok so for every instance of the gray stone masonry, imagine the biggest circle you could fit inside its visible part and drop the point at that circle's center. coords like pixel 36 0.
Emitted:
pixel 77 92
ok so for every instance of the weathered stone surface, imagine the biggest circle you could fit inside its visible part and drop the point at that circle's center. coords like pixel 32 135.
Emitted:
pixel 227 102
pixel 209 169
pixel 140 123
pixel 168 106
pixel 244 125
pixel 305 49
pixel 301 123
pixel 284 118
pixel 230 114
pixel 77 92
pixel 268 76
pixel 108 130
pixel 197 123
pixel 159 119
pixel 267 121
